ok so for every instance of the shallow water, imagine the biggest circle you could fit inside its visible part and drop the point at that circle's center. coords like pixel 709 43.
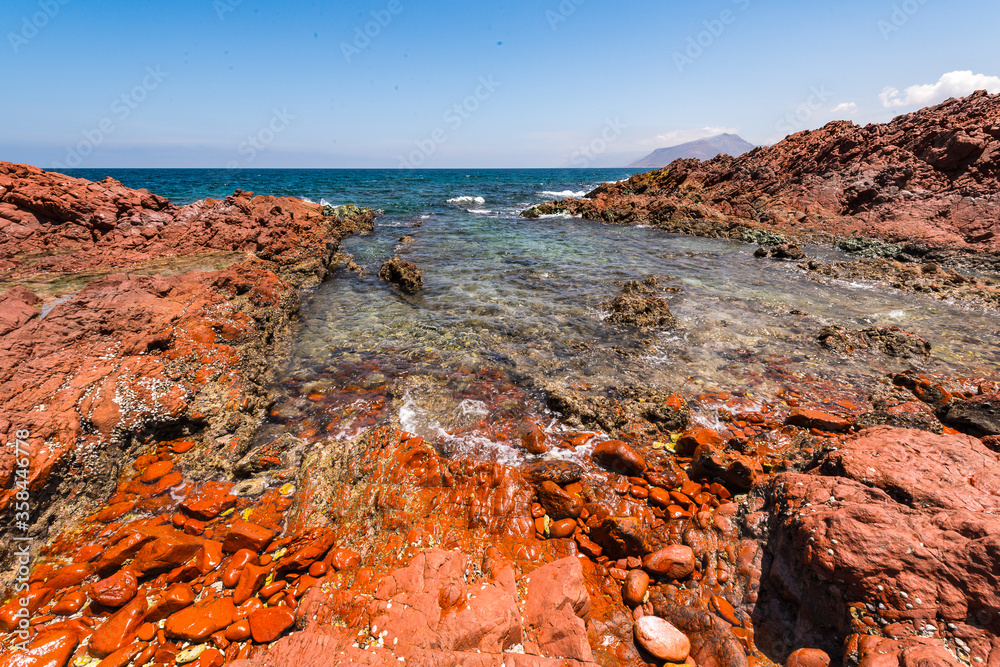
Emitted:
pixel 510 307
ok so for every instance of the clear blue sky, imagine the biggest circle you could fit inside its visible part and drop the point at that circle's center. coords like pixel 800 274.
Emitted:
pixel 211 83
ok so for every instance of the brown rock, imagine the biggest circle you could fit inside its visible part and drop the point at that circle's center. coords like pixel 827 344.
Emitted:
pixel 661 639
pixel 816 419
pixel 621 536
pixel 558 503
pixel 618 457
pixel 404 275
pixel 673 562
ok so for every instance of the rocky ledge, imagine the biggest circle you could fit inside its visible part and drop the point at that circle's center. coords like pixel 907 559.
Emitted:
pixel 184 511
pixel 928 181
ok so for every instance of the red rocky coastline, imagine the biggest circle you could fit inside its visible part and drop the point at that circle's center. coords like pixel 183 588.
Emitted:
pixel 169 528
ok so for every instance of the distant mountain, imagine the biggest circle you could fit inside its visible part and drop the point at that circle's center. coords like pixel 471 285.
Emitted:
pixel 703 149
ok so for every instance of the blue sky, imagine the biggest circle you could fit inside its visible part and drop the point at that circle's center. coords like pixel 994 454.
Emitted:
pixel 439 83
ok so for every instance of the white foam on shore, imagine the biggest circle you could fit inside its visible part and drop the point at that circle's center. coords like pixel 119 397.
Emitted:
pixel 566 216
pixel 466 199
pixel 565 194
pixel 480 211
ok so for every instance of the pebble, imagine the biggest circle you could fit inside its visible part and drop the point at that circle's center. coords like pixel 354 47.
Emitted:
pixel 673 562
pixel 634 590
pixel 808 657
pixel 661 639
pixel 269 623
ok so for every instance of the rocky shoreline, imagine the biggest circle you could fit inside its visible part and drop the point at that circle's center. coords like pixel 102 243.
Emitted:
pixel 185 509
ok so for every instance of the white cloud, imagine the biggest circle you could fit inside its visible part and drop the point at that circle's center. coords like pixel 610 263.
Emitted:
pixel 952 84
pixel 845 108
pixel 676 137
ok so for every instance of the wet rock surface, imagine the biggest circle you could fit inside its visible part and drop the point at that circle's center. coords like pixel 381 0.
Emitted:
pixel 892 341
pixel 193 508
pixel 404 275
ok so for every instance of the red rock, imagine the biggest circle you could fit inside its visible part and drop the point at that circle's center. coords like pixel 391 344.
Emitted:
pixel 155 471
pixel 621 536
pixel 231 575
pixel 319 568
pixel 119 630
pixel 251 579
pixel 589 548
pixel 210 556
pixel 123 656
pixel 196 623
pixel 558 503
pixel 32 600
pixel 268 624
pixel 125 548
pixel 210 500
pixel 689 442
pixel 533 438
pixel 48 649
pixel 345 558
pixel 618 457
pixel 146 632
pixel 561 529
pixel 635 587
pixel 174 599
pixel 71 575
pixel 211 657
pixel 304 549
pixel 673 562
pixel 245 535
pixel 239 631
pixel 70 603
pixel 808 657
pixel 661 639
pixel 816 419
pixel 165 553
pixel 554 607
pixel 115 590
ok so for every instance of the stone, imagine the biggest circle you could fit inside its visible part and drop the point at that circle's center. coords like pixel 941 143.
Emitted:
pixel 239 631
pixel 558 471
pixel 554 607
pixel 979 415
pixel 616 456
pixel 818 420
pixel 47 649
pixel 621 536
pixel 119 630
pixel 196 623
pixel 210 500
pixel 533 438
pixel 644 311
pixel 246 535
pixel 155 471
pixel 661 639
pixel 404 275
pixel 558 503
pixel 674 562
pixel 269 623
pixel 892 341
pixel 808 657
pixel 635 587
pixel 345 558
pixel 174 598
pixel 563 528
pixel 116 590
pixel 164 553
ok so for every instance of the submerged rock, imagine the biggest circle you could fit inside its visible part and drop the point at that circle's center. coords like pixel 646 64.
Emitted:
pixel 404 275
pixel 892 341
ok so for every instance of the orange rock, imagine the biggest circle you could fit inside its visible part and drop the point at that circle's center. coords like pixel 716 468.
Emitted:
pixel 317 569
pixel 690 441
pixel 116 590
pixel 210 500
pixel 71 575
pixel 231 575
pixel 635 587
pixel 618 457
pixel 146 632
pixel 818 420
pixel 196 623
pixel 238 631
pixel 70 603
pixel 119 630
pixel 345 558
pixel 673 562
pixel 156 471
pixel 32 600
pixel 661 639
pixel 48 649
pixel 251 579
pixel 174 599
pixel 564 528
pixel 245 535
pixel 809 657
pixel 210 657
pixel 268 624
pixel 533 438
pixel 248 607
pixel 164 553
pixel 210 556
pixel 123 656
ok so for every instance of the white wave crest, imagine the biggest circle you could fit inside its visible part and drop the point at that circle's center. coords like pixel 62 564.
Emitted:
pixel 565 194
pixel 465 199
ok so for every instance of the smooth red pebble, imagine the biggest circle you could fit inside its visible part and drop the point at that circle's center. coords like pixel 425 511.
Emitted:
pixel 194 527
pixel 174 599
pixel 238 631
pixel 196 623
pixel 588 547
pixel 537 511
pixel 178 520
pixel 116 590
pixel 272 588
pixel 345 558
pixel 673 562
pixel 146 655
pixel 155 471
pixel 616 456
pixel 661 639
pixel 268 624
pixel 818 420
pixel 210 500
pixel 211 657
pixel 210 556
pixel 182 447
pixel 240 559
pixel 251 579
pixel 146 632
pixel 71 575
pixel 659 497
pixel 635 587
pixel 49 649
pixel 70 603
pixel 88 553
pixel 564 528
pixel 317 569
pixel 118 630
pixel 639 492
pixel 808 657
pixel 266 559
pixel 721 606
pixel 248 607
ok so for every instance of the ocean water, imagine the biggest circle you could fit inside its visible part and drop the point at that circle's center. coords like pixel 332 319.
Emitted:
pixel 510 308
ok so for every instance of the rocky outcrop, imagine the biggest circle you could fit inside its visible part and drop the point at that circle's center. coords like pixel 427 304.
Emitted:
pixel 928 179
pixel 892 341
pixel 892 534
pixel 404 275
